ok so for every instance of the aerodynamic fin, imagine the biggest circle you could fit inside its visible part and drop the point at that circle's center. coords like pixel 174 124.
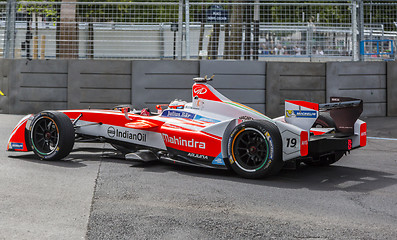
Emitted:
pixel 301 113
pixel 344 111
pixel 17 141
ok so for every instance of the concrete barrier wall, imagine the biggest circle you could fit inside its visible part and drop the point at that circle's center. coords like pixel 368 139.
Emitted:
pixel 4 71
pixel 37 85
pixel 293 81
pixel 159 82
pixel 243 82
pixel 98 84
pixel 392 89
pixel 363 80
pixel 33 86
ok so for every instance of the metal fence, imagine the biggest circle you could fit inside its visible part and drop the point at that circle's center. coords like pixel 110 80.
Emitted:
pixel 200 29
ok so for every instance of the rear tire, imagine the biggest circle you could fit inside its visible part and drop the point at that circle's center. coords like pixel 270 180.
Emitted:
pixel 51 135
pixel 325 121
pixel 325 161
pixel 254 149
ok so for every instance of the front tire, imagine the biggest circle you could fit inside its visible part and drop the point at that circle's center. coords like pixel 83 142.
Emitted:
pixel 254 149
pixel 51 135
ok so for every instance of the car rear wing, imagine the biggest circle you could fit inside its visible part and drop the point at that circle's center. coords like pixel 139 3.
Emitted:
pixel 343 110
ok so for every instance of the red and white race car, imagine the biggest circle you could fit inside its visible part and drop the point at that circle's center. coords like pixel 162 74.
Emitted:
pixel 211 131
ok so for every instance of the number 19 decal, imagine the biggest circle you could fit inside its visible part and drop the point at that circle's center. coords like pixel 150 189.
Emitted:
pixel 291 142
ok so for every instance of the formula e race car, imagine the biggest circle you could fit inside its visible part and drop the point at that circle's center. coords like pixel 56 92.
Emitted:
pixel 211 131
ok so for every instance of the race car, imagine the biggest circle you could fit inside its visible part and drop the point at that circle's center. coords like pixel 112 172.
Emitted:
pixel 210 131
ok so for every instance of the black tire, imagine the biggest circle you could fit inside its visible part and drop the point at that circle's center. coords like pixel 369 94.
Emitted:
pixel 254 149
pixel 51 135
pixel 324 120
pixel 326 160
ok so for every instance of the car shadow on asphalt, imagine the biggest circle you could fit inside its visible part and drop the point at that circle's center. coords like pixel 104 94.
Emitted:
pixel 331 178
pixel 76 159
pixel 66 163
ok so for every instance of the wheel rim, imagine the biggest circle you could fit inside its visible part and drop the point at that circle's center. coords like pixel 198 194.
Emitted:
pixel 45 136
pixel 250 149
pixel 320 125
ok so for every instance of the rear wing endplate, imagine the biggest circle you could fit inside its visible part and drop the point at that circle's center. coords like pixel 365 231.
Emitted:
pixel 344 111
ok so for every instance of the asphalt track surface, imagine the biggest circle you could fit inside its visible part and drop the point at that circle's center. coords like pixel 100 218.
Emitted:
pixel 94 195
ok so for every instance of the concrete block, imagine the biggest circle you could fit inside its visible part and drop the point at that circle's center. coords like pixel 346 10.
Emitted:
pixel 363 80
pixel 240 81
pixel 159 82
pixel 232 68
pixel 4 72
pixel 374 109
pixel 392 89
pixel 293 81
pixel 37 85
pixel 98 84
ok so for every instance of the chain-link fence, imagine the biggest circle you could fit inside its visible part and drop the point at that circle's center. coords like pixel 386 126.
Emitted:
pixel 200 29
pixel 379 29
pixel 263 29
pixel 95 30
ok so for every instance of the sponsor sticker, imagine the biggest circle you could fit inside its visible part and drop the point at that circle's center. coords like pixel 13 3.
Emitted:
pixel 140 137
pixel 300 114
pixel 246 118
pixel 195 155
pixel 363 134
pixel 190 143
pixel 177 114
pixel 218 160
pixel 304 139
pixel 205 119
pixel 16 146
pixel 200 90
pixel 111 132
pixel 231 160
pixel 349 144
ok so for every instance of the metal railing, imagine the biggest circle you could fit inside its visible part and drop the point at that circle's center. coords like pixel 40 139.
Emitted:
pixel 198 29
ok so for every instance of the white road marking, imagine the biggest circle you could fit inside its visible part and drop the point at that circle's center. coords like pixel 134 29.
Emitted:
pixel 379 138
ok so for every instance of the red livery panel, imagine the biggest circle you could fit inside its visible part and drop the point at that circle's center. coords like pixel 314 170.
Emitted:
pixel 363 134
pixel 193 142
pixel 202 91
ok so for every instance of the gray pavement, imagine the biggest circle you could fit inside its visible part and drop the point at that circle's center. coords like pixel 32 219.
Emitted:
pixel 93 196
pixel 40 199
pixel 385 127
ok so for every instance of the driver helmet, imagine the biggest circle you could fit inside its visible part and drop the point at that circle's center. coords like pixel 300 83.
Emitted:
pixel 177 104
